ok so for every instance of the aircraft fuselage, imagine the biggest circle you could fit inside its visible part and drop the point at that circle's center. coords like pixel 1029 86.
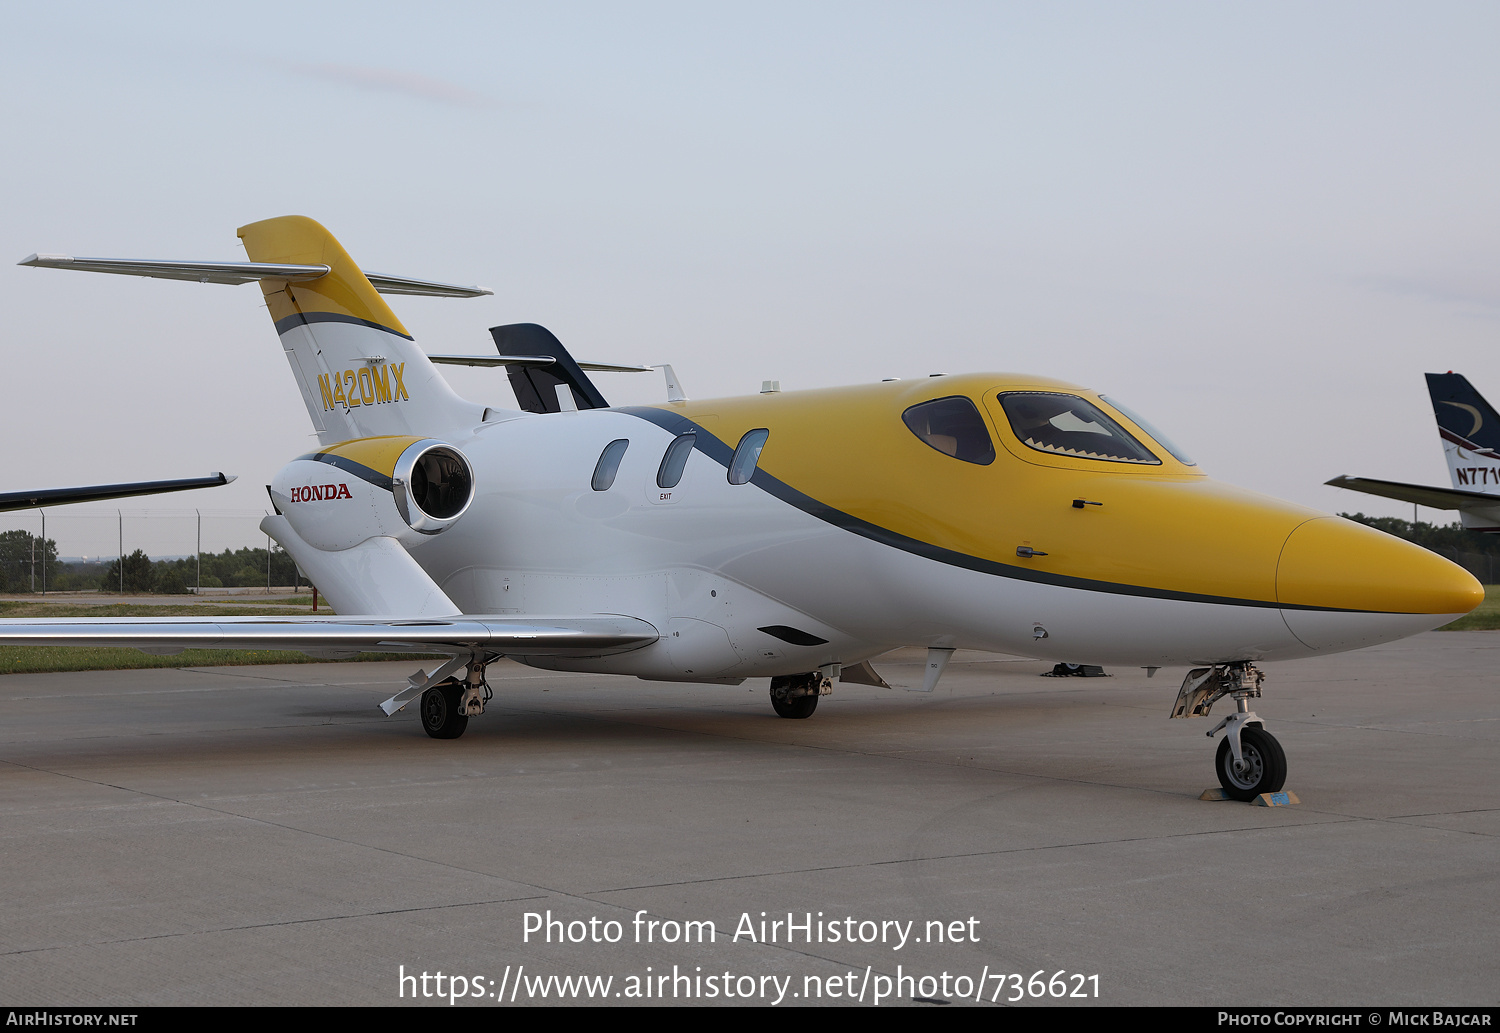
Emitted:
pixel 856 531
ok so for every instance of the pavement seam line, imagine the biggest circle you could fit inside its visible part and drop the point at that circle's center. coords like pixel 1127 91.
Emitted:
pixel 268 925
pixel 976 853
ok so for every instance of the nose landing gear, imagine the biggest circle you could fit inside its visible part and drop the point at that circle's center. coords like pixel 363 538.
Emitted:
pixel 1261 767
pixel 1250 761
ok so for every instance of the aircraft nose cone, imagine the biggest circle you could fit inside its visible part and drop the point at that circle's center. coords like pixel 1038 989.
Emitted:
pixel 1342 585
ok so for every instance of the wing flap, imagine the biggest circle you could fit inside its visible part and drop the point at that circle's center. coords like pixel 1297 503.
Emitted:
pixel 520 636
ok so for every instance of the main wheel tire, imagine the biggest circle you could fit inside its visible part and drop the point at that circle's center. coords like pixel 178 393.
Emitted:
pixel 802 706
pixel 1265 763
pixel 441 715
pixel 797 706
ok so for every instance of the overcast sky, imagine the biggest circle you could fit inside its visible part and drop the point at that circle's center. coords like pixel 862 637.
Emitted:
pixel 1258 224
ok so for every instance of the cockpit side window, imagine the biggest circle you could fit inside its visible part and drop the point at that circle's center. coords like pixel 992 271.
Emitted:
pixel 1068 425
pixel 954 427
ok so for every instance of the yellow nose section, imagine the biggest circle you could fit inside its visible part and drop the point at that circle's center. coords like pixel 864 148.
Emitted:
pixel 1336 563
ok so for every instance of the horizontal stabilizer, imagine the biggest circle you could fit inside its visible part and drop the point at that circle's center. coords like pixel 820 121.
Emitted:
pixel 14 500
pixel 519 636
pixel 245 272
pixel 422 288
pixel 1417 494
pixel 530 361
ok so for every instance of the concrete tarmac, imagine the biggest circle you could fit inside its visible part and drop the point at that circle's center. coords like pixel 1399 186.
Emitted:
pixel 264 835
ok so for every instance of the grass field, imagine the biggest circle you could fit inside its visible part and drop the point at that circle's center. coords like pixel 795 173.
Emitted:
pixel 40 659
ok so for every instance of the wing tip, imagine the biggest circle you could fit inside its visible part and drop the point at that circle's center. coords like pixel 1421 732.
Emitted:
pixel 39 260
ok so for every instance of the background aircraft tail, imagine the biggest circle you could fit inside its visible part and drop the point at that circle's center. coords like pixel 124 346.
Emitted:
pixel 536 386
pixel 1470 429
pixel 361 374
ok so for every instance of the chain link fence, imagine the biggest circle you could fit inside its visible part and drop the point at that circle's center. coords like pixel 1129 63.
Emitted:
pixel 1480 564
pixel 168 551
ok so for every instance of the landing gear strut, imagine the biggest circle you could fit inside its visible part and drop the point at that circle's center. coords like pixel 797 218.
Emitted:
pixel 1250 761
pixel 796 695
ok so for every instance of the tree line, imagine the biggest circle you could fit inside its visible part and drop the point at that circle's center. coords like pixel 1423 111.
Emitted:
pixel 1445 539
pixel 25 560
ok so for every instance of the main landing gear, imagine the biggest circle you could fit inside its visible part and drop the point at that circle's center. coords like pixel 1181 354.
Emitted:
pixel 442 712
pixel 1250 761
pixel 450 695
pixel 796 695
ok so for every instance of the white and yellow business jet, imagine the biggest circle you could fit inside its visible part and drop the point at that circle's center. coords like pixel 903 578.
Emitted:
pixel 790 535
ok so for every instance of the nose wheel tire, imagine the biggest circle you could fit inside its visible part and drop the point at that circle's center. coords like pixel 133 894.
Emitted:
pixel 442 717
pixel 1264 770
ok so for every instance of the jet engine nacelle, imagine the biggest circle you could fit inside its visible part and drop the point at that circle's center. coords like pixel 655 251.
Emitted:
pixel 399 487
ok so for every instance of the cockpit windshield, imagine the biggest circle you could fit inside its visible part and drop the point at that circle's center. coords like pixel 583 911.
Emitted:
pixel 1157 436
pixel 1064 424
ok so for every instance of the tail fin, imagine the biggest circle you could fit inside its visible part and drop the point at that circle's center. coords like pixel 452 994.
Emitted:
pixel 361 374
pixel 1470 429
pixel 536 387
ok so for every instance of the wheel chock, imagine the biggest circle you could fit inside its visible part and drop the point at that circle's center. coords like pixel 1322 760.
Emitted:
pixel 1282 799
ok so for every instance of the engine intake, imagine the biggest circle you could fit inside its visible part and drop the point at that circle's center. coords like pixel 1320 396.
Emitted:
pixel 433 486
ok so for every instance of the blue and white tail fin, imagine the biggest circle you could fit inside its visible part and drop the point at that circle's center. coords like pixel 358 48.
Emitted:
pixel 360 373
pixel 1470 429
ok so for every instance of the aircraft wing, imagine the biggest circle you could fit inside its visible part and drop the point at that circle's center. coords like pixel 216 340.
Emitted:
pixel 522 636
pixel 13 500
pixel 1419 494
